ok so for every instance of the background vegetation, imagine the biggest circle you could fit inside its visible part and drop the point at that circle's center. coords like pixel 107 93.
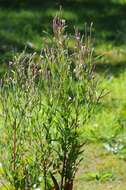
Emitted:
pixel 22 24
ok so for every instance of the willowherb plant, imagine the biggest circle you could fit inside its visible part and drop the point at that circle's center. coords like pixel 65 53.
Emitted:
pixel 46 101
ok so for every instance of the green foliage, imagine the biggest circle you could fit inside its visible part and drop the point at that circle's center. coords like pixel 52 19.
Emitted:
pixel 46 101
pixel 100 176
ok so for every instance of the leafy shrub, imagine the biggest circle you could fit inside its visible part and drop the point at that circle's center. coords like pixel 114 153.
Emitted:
pixel 46 101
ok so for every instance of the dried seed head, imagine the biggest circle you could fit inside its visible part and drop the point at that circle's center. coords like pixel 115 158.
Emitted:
pixel 10 63
pixel 77 34
pixel 58 25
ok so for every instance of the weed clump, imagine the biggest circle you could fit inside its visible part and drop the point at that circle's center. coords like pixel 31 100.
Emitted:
pixel 46 101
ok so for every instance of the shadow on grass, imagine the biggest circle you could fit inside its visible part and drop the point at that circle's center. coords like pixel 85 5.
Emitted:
pixel 108 15
pixel 111 69
pixel 22 24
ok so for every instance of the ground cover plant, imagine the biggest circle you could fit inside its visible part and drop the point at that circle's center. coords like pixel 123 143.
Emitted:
pixel 46 100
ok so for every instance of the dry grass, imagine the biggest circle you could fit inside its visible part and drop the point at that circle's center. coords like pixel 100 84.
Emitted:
pixel 98 160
